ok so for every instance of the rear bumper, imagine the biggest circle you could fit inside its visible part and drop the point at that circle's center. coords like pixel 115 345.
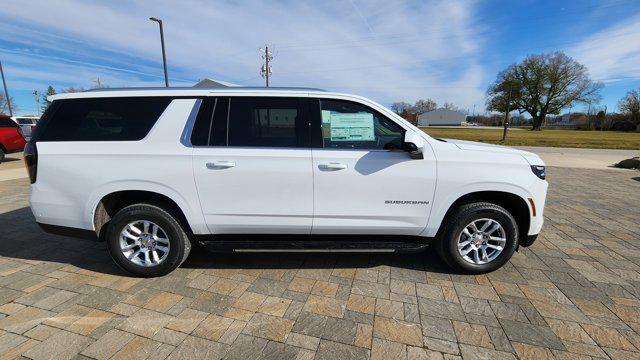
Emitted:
pixel 69 231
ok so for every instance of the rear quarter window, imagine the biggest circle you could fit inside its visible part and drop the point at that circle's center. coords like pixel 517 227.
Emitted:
pixel 101 119
pixel 7 123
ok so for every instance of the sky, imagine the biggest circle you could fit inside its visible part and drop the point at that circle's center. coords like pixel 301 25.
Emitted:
pixel 385 50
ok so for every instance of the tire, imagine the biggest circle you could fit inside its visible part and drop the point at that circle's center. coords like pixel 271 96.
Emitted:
pixel 479 213
pixel 1 155
pixel 178 243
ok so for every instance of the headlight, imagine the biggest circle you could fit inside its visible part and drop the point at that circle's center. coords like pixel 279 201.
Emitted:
pixel 539 170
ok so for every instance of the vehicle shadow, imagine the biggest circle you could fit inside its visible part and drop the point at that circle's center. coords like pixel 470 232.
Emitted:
pixel 22 240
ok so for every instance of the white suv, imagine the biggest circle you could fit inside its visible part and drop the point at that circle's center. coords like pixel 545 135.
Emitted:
pixel 155 171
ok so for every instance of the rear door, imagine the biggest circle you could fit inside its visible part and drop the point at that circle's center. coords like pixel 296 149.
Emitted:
pixel 364 183
pixel 252 165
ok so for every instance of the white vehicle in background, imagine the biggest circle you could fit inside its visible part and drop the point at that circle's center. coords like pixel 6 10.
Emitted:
pixel 153 171
pixel 27 124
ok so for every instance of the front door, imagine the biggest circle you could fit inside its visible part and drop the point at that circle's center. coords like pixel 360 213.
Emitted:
pixel 252 165
pixel 364 183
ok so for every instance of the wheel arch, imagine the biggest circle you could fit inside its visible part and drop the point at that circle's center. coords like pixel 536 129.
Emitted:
pixel 114 201
pixel 514 203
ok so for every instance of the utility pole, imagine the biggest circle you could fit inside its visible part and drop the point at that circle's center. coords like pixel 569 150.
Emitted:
pixel 265 70
pixel 98 82
pixel 6 92
pixel 164 55
pixel 37 96
pixel 506 116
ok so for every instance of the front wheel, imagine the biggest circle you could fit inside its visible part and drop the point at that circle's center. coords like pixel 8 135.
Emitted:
pixel 146 240
pixel 478 238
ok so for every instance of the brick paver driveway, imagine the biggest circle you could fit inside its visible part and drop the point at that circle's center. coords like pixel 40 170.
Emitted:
pixel 574 294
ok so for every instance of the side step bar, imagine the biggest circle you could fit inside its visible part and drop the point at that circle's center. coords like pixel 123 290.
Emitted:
pixel 313 243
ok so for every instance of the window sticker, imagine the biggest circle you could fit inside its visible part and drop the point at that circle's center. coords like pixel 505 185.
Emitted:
pixel 326 116
pixel 352 127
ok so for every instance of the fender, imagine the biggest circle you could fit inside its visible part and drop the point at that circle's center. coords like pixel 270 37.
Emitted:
pixel 442 205
pixel 194 215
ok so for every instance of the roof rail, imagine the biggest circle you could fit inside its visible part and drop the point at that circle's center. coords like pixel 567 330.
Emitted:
pixel 228 88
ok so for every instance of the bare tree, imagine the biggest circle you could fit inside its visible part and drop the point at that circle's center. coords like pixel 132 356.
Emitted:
pixel 4 106
pixel 541 85
pixel 422 106
pixel 72 89
pixel 401 107
pixel 450 106
pixel 630 104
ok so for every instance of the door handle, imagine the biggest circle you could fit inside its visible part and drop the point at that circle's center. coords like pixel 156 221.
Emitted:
pixel 222 164
pixel 332 166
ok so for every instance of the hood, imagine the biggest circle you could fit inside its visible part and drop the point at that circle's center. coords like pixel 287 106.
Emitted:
pixel 531 158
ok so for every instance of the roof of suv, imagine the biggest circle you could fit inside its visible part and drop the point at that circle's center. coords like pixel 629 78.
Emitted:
pixel 185 91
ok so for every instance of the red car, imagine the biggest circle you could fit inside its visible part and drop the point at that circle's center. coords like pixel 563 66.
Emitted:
pixel 11 138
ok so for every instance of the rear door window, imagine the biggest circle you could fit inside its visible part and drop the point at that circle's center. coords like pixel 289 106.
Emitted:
pixel 266 122
pixel 102 119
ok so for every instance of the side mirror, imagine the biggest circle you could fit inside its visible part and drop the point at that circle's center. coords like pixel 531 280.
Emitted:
pixel 413 144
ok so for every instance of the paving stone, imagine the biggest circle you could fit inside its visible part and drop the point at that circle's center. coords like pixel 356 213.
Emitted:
pixel 246 347
pixel 279 351
pixel 472 334
pixel 470 352
pixel 325 306
pixel 340 330
pixel 198 348
pixel 329 350
pixel 531 334
pixel 303 341
pixel 437 327
pixel 108 345
pixel 24 320
pixel 62 345
pixel 269 327
pixel 385 349
pixel 310 324
pixel 398 331
pixel 442 309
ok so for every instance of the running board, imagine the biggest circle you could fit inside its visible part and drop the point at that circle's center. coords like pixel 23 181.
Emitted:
pixel 315 243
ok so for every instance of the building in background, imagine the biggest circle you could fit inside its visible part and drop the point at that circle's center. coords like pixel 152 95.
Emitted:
pixel 442 117
pixel 206 82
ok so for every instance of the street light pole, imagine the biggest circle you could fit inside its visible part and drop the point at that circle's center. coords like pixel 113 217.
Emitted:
pixel 6 92
pixel 164 55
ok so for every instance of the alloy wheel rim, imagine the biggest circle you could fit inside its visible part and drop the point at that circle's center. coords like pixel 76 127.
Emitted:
pixel 481 241
pixel 144 243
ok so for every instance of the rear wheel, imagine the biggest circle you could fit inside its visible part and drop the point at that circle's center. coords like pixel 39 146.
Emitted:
pixel 478 238
pixel 1 155
pixel 146 240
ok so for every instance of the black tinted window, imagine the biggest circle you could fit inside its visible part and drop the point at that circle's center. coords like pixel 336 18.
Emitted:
pixel 103 119
pixel 348 125
pixel 5 123
pixel 266 122
pixel 210 127
pixel 202 125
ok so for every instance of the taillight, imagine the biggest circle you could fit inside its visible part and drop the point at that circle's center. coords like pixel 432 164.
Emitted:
pixel 20 132
pixel 31 160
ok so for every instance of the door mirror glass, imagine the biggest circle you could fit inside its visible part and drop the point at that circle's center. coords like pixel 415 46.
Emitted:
pixel 413 144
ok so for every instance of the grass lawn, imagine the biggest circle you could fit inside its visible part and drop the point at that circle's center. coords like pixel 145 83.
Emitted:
pixel 546 137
